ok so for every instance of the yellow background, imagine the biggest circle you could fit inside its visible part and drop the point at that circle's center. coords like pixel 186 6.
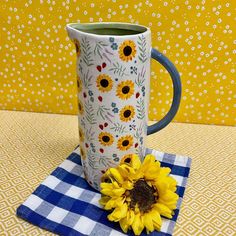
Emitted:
pixel 37 59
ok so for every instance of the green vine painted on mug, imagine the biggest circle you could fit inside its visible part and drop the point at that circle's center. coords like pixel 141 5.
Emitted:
pixel 141 78
pixel 119 128
pixel 87 79
pixel 90 114
pixel 142 49
pixel 99 47
pixel 89 135
pixel 104 112
pixel 118 69
pixel 140 109
pixel 86 49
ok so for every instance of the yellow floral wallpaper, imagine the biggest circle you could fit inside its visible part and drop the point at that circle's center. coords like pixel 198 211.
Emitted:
pixel 37 59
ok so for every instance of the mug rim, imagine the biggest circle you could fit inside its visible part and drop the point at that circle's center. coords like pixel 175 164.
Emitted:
pixel 77 27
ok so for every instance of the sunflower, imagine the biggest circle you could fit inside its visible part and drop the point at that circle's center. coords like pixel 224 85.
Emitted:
pixel 79 84
pixel 77 47
pixel 127 113
pixel 81 135
pixel 125 142
pixel 82 153
pixel 80 107
pixel 105 138
pixel 104 83
pixel 125 89
pixel 127 50
pixel 138 194
pixel 129 159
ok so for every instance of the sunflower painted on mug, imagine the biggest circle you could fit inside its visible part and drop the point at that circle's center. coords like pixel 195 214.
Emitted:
pixel 124 143
pixel 81 135
pixel 82 153
pixel 127 113
pixel 125 89
pixel 80 107
pixel 127 50
pixel 105 138
pixel 79 84
pixel 104 83
pixel 77 47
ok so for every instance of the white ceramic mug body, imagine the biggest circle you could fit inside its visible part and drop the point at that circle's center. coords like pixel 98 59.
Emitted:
pixel 113 73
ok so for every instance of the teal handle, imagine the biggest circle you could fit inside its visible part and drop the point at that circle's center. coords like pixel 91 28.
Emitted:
pixel 176 92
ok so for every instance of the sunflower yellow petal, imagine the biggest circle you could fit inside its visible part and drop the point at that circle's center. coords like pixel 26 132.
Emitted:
pixel 161 186
pixel 148 161
pixel 152 173
pixel 113 202
pixel 136 163
pixel 106 185
pixel 118 213
pixel 130 217
pixel 147 221
pixel 123 211
pixel 106 191
pixel 169 196
pixel 124 225
pixel 116 174
pixel 137 225
pixel 103 200
pixel 118 192
pixel 125 171
pixel 163 210
pixel 157 226
pixel 156 218
pixel 172 183
pixel 165 171
pixel 137 175
pixel 127 185
pixel 170 204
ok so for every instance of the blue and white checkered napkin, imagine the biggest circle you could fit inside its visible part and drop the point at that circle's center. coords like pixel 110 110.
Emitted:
pixel 65 203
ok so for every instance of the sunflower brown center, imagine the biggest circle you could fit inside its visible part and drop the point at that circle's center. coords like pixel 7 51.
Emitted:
pixel 125 143
pixel 125 89
pixel 104 83
pixel 76 47
pixel 143 195
pixel 128 160
pixel 127 50
pixel 127 113
pixel 105 139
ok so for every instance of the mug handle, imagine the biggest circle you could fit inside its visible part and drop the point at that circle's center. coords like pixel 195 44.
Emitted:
pixel 176 92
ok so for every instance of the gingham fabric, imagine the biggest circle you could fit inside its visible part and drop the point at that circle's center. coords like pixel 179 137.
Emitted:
pixel 65 204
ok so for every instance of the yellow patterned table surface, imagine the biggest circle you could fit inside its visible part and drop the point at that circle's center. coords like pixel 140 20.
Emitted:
pixel 33 144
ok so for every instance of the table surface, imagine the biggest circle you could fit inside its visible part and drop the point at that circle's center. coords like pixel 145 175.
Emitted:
pixel 32 145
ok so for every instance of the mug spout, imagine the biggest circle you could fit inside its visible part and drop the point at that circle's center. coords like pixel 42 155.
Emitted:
pixel 72 30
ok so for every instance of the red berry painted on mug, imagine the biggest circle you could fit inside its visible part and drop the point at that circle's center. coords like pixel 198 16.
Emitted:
pixel 104 65
pixel 86 145
pixel 105 124
pixel 101 150
pixel 103 171
pixel 99 68
pixel 137 95
pixel 101 127
pixel 100 98
pixel 85 95
pixel 136 145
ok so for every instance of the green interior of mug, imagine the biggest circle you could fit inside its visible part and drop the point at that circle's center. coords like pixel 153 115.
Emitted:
pixel 110 28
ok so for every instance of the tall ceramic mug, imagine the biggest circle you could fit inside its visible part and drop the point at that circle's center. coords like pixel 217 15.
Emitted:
pixel 113 80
